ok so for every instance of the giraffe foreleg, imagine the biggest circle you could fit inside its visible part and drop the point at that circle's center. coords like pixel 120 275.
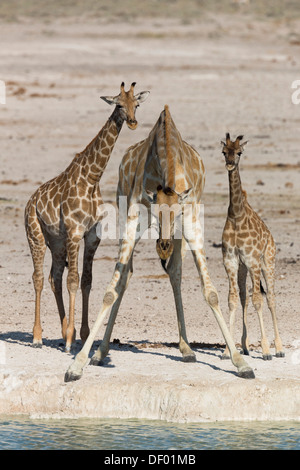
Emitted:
pixel 72 286
pixel 211 297
pixel 231 264
pixel 58 251
pixel 174 270
pixel 103 349
pixel 244 298
pixel 91 243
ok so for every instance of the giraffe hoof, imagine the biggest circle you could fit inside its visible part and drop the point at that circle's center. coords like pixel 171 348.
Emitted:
pixel 71 376
pixel 225 357
pixel 280 354
pixel 37 345
pixel 245 352
pixel 95 362
pixel 267 357
pixel 246 373
pixel 189 358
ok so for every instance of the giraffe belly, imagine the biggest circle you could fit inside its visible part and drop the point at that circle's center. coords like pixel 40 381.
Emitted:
pixel 56 230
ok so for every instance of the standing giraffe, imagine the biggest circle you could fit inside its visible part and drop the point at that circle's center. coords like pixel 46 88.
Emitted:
pixel 65 209
pixel 247 245
pixel 166 170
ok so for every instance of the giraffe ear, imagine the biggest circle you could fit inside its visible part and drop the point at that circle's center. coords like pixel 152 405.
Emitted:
pixel 141 97
pixel 243 144
pixel 110 99
pixel 151 196
pixel 182 197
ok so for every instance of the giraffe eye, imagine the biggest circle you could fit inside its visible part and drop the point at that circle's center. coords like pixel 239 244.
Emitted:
pixel 239 154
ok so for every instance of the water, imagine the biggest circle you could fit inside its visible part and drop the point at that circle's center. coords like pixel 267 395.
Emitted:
pixel 90 434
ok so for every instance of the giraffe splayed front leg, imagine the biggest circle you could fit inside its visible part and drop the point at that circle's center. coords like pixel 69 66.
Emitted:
pixel 212 299
pixel 174 270
pixel 111 300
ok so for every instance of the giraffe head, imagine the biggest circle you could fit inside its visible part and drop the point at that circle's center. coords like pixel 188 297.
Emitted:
pixel 126 102
pixel 232 151
pixel 167 209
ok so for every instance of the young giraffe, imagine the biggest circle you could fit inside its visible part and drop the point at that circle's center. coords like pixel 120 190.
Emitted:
pixel 247 245
pixel 166 170
pixel 65 209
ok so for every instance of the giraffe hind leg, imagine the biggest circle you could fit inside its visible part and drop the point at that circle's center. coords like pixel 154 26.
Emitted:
pixel 268 270
pixel 257 300
pixel 37 244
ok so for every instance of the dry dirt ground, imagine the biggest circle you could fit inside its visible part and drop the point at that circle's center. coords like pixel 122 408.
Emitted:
pixel 216 75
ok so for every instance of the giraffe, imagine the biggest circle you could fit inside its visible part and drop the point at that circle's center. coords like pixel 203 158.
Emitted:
pixel 164 170
pixel 64 210
pixel 247 245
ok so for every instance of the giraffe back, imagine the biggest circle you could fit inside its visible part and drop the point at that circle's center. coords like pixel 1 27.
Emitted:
pixel 163 158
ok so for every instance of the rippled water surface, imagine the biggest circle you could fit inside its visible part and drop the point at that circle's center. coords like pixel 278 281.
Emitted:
pixel 42 434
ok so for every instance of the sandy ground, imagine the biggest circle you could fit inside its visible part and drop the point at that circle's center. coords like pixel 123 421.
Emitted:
pixel 218 75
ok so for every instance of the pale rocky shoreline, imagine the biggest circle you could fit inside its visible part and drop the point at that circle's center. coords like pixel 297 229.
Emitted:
pixel 152 383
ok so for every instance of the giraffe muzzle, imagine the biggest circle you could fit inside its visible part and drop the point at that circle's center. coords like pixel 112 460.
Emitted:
pixel 132 124
pixel 230 166
pixel 164 248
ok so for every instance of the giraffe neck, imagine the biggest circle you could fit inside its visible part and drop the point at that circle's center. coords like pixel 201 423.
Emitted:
pixel 97 154
pixel 236 194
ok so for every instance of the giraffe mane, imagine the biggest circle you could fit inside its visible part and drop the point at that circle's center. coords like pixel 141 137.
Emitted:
pixel 244 194
pixel 169 157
